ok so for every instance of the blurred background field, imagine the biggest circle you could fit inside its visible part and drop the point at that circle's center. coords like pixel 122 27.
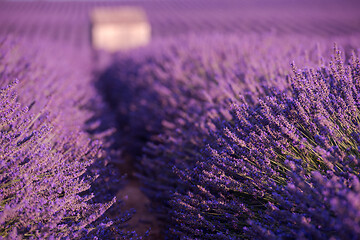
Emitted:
pixel 68 21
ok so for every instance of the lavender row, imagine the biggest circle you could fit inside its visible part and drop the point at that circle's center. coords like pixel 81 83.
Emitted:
pixel 167 95
pixel 284 168
pixel 49 164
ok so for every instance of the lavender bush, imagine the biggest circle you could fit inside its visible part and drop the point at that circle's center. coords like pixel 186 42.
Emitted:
pixel 40 182
pixel 48 162
pixel 284 168
pixel 166 95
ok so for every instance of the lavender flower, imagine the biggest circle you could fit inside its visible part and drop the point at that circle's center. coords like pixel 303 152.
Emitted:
pixel 46 157
pixel 169 95
pixel 285 168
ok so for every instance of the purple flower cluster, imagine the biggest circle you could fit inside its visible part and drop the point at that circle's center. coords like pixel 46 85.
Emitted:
pixel 285 168
pixel 41 180
pixel 171 99
pixel 48 163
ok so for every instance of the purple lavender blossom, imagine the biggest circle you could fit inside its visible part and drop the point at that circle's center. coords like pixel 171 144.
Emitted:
pixel 169 98
pixel 47 160
pixel 284 168
pixel 40 181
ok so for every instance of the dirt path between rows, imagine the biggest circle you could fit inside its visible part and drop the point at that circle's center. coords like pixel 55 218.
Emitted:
pixel 129 192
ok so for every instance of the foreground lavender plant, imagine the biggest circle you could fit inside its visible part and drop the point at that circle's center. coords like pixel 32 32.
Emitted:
pixel 166 95
pixel 285 168
pixel 41 182
pixel 53 174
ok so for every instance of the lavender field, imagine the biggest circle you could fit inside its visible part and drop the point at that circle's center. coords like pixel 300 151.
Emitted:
pixel 238 120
